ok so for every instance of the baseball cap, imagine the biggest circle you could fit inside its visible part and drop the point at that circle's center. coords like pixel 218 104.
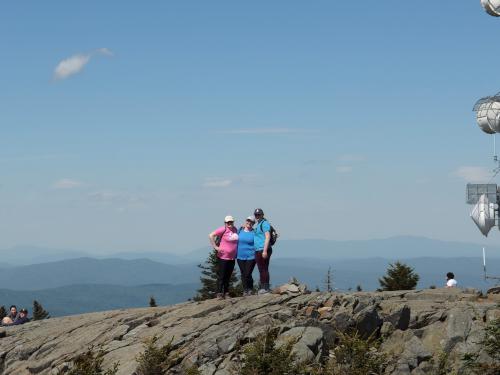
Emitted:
pixel 228 218
pixel 258 211
pixel 251 218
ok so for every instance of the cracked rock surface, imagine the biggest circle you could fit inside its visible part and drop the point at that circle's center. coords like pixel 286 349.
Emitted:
pixel 416 327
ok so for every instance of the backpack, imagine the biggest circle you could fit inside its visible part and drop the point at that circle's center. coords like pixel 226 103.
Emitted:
pixel 274 234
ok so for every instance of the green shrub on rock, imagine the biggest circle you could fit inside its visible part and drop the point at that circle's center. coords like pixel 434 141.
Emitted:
pixel 354 355
pixel 491 345
pixel 156 360
pixel 264 357
pixel 90 363
pixel 399 277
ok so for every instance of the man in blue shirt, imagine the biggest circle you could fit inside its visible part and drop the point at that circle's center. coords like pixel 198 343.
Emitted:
pixel 263 249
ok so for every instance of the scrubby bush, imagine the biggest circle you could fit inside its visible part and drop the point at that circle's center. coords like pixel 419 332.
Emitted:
pixel 399 277
pixel 354 355
pixel 490 343
pixel 158 360
pixel 264 357
pixel 155 360
pixel 90 363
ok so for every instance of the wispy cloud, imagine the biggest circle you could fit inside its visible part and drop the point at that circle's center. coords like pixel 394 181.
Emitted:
pixel 317 162
pixel 343 169
pixel 217 182
pixel 66 183
pixel 120 201
pixel 352 157
pixel 257 131
pixel 473 174
pixel 112 196
pixel 75 64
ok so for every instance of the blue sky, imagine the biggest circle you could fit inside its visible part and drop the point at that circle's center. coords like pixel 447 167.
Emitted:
pixel 139 126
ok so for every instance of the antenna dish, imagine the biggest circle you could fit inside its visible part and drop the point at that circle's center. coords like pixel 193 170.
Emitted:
pixel 483 214
pixel 488 113
pixel 492 7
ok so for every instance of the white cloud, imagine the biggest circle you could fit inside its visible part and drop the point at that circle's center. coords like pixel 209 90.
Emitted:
pixel 217 182
pixel 74 64
pixel 66 183
pixel 264 131
pixel 473 174
pixel 344 169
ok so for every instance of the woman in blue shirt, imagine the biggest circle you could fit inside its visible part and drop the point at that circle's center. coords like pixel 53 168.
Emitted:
pixel 246 255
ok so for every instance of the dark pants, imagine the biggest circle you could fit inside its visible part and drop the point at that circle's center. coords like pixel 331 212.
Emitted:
pixel 263 266
pixel 246 269
pixel 225 268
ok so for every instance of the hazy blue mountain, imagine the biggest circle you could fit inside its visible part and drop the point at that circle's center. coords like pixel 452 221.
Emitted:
pixel 95 271
pixel 77 299
pixel 366 272
pixel 157 256
pixel 390 248
pixel 25 255
pixel 347 273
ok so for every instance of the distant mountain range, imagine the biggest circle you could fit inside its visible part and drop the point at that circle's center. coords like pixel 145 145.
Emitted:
pixel 347 273
pixel 66 282
pixel 389 248
pixel 95 271
pixel 77 299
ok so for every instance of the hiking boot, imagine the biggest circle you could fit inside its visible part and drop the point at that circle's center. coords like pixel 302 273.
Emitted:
pixel 220 296
pixel 226 295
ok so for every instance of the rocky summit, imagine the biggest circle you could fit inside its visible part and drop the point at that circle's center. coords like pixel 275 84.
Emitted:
pixel 416 328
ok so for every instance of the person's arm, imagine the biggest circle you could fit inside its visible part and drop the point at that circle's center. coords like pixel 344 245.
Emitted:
pixel 211 238
pixel 266 244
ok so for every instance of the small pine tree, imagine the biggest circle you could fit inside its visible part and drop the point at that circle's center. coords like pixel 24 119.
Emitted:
pixel 329 280
pixel 358 288
pixel 3 312
pixel 265 357
pixel 399 277
pixel 155 359
pixel 38 312
pixel 208 280
pixel 152 302
pixel 90 363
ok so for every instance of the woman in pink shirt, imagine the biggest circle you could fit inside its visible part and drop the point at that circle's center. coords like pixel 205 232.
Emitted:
pixel 226 253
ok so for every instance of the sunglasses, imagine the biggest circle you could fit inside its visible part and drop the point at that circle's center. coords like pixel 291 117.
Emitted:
pixel 230 222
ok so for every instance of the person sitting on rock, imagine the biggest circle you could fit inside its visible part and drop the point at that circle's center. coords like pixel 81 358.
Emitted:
pixel 450 280
pixel 22 318
pixel 11 316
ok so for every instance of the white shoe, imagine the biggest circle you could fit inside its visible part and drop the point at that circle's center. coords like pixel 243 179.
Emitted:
pixel 262 291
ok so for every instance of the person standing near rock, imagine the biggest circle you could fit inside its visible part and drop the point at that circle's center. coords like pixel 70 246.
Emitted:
pixel 263 249
pixel 226 253
pixel 450 280
pixel 246 255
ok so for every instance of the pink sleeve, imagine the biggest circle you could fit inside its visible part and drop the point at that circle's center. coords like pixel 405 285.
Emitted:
pixel 219 231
